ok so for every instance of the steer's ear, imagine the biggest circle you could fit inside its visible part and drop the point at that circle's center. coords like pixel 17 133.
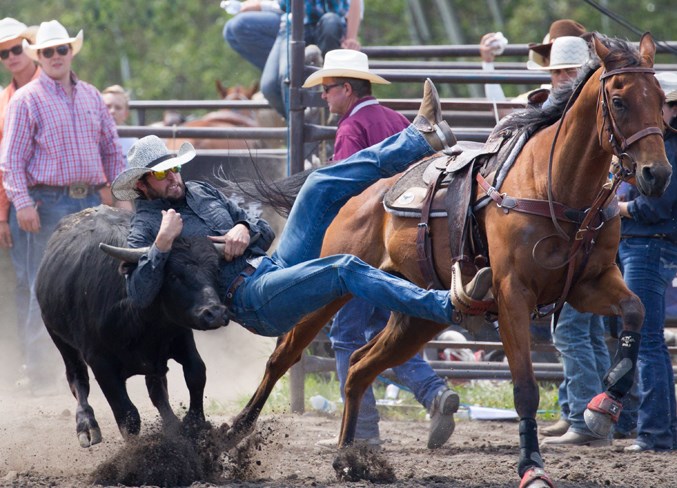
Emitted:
pixel 126 254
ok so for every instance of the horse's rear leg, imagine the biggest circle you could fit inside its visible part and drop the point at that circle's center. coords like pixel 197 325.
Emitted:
pixel 514 319
pixel 287 352
pixel 610 296
pixel 402 338
pixel 86 426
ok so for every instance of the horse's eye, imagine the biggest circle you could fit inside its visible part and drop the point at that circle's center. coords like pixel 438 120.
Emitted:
pixel 618 103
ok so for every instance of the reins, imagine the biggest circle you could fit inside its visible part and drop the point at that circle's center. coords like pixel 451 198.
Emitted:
pixel 604 207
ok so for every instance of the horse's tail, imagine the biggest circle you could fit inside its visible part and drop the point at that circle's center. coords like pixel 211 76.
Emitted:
pixel 279 194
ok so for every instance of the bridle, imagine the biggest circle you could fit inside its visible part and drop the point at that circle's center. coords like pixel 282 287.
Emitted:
pixel 619 143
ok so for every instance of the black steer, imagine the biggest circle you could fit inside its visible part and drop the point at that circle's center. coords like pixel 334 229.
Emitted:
pixel 85 308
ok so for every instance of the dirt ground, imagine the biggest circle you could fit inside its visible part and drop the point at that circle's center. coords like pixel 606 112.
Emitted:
pixel 38 447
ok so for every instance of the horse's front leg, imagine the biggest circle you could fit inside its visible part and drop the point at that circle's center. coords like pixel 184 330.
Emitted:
pixel 287 352
pixel 609 295
pixel 514 301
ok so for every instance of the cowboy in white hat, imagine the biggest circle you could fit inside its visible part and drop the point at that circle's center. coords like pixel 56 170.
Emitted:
pixel 60 149
pixel 567 55
pixel 23 70
pixel 346 87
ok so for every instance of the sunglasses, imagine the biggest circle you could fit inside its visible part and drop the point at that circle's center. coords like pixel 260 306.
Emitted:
pixel 327 88
pixel 62 50
pixel 16 50
pixel 161 175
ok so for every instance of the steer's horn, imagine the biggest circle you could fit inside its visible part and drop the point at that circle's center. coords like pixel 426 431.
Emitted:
pixel 126 254
pixel 219 246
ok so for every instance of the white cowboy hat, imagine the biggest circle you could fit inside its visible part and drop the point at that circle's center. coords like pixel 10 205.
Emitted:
pixel 52 34
pixel 566 52
pixel 13 29
pixel 668 82
pixel 148 154
pixel 344 63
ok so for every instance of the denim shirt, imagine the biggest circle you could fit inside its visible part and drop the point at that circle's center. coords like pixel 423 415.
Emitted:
pixel 653 215
pixel 205 212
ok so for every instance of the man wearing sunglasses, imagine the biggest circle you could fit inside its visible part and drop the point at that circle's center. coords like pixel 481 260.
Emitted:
pixel 60 147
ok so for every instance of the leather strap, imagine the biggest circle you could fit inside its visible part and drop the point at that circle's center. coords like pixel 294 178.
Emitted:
pixel 235 284
pixel 423 241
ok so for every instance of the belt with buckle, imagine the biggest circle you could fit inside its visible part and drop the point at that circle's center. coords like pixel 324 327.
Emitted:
pixel 235 284
pixel 76 191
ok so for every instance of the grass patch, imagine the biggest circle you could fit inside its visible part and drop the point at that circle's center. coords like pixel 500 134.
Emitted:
pixel 485 393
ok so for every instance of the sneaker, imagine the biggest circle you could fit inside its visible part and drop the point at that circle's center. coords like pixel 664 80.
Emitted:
pixel 445 405
pixel 332 444
pixel 572 438
pixel 429 120
pixel 635 448
pixel 557 429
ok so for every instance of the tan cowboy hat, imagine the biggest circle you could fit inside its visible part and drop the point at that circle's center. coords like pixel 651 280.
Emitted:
pixel 344 63
pixel 13 29
pixel 559 28
pixel 668 82
pixel 52 34
pixel 148 154
pixel 567 52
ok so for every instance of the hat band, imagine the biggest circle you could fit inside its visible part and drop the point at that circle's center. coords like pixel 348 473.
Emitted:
pixel 159 160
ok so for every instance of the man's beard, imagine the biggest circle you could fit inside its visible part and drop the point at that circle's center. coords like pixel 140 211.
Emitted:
pixel 152 194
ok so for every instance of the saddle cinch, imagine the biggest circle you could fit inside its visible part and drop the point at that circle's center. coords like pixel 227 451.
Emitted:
pixel 442 186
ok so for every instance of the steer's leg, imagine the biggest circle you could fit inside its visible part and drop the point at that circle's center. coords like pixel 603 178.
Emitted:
pixel 86 426
pixel 157 390
pixel 186 354
pixel 112 384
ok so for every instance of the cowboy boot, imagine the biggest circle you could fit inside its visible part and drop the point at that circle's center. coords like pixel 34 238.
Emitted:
pixel 475 297
pixel 429 120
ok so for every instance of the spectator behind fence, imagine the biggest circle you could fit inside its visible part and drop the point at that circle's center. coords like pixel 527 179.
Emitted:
pixel 648 257
pixel 60 146
pixel 23 69
pixel 252 31
pixel 328 24
pixel 539 58
pixel 346 87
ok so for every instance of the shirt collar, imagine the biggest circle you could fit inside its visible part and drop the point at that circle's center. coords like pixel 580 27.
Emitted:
pixel 362 100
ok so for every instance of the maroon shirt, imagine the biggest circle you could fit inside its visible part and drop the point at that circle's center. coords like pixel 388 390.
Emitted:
pixel 366 123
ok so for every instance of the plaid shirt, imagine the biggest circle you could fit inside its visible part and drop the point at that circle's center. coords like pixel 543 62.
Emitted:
pixel 56 140
pixel 5 96
pixel 314 9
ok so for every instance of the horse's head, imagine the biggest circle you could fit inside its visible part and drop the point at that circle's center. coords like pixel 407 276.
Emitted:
pixel 237 92
pixel 629 112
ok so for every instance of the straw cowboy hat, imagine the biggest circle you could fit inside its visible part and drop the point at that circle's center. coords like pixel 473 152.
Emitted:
pixel 52 34
pixel 539 53
pixel 668 82
pixel 567 52
pixel 11 29
pixel 148 154
pixel 344 63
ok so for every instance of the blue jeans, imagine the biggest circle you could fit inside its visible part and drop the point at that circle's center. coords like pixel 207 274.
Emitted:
pixel 579 337
pixel 327 34
pixel 38 349
pixel 356 324
pixel 252 35
pixel 649 265
pixel 294 281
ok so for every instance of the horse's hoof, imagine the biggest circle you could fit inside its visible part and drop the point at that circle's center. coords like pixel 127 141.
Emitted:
pixel 536 478
pixel 599 423
pixel 602 412
pixel 89 438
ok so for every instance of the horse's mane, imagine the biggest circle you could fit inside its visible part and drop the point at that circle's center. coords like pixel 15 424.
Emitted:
pixel 621 54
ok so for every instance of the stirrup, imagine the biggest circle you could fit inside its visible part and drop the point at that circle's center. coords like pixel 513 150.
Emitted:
pixel 474 297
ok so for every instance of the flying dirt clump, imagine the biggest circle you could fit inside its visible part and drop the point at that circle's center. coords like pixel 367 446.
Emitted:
pixel 358 463
pixel 174 459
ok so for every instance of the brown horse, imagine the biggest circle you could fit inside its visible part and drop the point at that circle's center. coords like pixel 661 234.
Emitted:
pixel 615 109
pixel 224 118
